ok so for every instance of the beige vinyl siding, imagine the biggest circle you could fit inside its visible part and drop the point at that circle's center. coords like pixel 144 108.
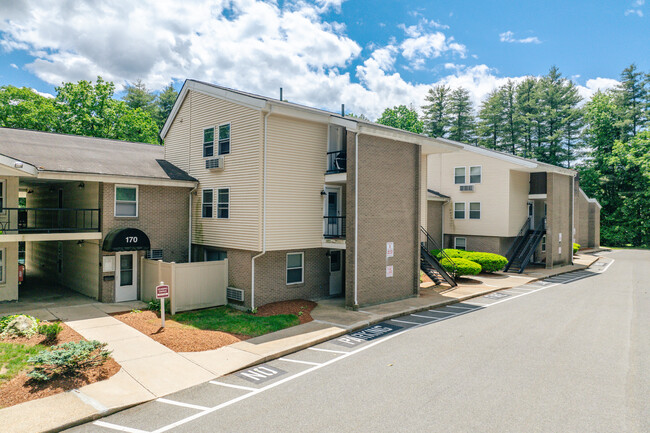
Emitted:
pixel 424 213
pixel 10 199
pixel 519 188
pixel 9 289
pixel 493 193
pixel 297 160
pixel 242 173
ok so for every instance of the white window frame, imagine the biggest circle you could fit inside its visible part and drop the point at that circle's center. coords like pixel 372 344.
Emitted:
pixel 217 203
pixel 469 210
pixel 203 142
pixel 456 242
pixel 464 182
pixel 203 202
pixel 3 265
pixel 302 268
pixel 218 139
pixel 480 167
pixel 3 196
pixel 137 201
pixel 464 210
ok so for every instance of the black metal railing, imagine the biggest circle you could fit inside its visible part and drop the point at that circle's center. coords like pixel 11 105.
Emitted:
pixel 516 243
pixel 430 245
pixel 334 227
pixel 336 162
pixel 48 220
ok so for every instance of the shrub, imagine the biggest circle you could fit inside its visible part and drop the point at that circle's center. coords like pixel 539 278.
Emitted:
pixel 67 359
pixel 19 325
pixel 50 330
pixel 489 262
pixel 576 248
pixel 450 252
pixel 463 266
pixel 154 305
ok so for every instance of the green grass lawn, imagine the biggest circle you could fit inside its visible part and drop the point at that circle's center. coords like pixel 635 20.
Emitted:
pixel 13 359
pixel 234 321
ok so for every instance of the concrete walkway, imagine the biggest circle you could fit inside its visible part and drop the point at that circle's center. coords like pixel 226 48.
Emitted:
pixel 150 370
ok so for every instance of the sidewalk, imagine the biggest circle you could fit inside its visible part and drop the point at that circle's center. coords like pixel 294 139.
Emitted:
pixel 150 370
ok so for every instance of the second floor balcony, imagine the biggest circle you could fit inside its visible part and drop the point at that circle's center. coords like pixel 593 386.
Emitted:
pixel 336 162
pixel 334 227
pixel 48 220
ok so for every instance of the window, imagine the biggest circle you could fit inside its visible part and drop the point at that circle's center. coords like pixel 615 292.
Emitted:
pixel 295 263
pixel 2 196
pixel 475 211
pixel 224 139
pixel 126 201
pixel 208 142
pixel 544 243
pixel 2 266
pixel 207 203
pixel 210 255
pixel 459 211
pixel 154 254
pixel 460 244
pixel 459 175
pixel 223 202
pixel 475 174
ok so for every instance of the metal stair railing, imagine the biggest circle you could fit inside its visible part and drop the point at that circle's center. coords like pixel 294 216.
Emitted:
pixel 426 247
pixel 515 244
pixel 531 245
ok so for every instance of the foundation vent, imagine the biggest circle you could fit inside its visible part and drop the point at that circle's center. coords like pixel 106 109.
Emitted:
pixel 235 294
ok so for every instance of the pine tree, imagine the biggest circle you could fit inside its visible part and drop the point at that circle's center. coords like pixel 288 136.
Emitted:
pixel 461 113
pixel 164 104
pixel 491 121
pixel 632 94
pixel 526 105
pixel 435 115
pixel 512 123
pixel 138 96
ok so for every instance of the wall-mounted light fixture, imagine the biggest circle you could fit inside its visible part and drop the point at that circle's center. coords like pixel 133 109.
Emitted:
pixel 323 192
pixel 81 185
pixel 18 164
pixel 80 243
pixel 30 191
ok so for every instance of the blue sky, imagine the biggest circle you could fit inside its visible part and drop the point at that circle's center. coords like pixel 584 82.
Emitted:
pixel 366 54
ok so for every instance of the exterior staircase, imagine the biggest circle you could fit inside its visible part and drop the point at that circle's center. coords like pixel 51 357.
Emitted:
pixel 522 250
pixel 429 264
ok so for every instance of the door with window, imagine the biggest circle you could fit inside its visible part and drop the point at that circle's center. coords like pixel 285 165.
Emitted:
pixel 332 214
pixel 531 214
pixel 126 277
pixel 336 272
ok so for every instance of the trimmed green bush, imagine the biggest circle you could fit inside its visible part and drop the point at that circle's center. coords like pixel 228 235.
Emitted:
pixel 576 248
pixel 462 266
pixel 50 330
pixel 450 252
pixel 489 262
pixel 67 359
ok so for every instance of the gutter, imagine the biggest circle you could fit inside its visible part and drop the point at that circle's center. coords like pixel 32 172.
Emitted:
pixel 266 117
pixel 189 241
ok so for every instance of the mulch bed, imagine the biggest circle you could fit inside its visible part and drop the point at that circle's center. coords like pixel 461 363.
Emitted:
pixel 176 336
pixel 182 338
pixel 21 389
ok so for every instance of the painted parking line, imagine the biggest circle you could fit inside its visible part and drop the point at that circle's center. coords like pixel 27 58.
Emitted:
pixel 460 308
pixel 180 403
pixel 405 321
pixel 298 361
pixel 317 349
pixel 381 335
pixel 425 317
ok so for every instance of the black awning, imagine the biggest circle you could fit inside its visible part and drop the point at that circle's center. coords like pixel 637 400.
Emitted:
pixel 126 240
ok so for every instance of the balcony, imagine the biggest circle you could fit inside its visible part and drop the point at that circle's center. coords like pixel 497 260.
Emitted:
pixel 21 221
pixel 336 162
pixel 334 227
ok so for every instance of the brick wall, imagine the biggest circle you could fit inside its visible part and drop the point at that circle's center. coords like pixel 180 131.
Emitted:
pixel 389 211
pixel 559 220
pixel 163 216
pixel 434 220
pixel 485 244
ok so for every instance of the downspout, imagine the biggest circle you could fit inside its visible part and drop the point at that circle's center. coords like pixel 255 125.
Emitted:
pixel 189 241
pixel 266 116
pixel 573 215
pixel 356 217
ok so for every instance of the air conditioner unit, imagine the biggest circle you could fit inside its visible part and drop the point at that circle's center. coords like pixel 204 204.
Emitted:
pixel 215 163
pixel 467 187
pixel 235 294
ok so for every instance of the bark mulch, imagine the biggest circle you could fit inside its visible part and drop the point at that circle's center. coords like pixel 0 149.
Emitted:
pixel 177 336
pixel 299 307
pixel 21 389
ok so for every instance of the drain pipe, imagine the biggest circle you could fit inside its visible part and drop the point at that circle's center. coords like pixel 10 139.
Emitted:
pixel 266 117
pixel 189 241
pixel 573 216
pixel 356 217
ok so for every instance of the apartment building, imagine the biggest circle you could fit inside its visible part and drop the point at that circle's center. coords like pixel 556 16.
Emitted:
pixel 302 202
pixel 79 212
pixel 484 200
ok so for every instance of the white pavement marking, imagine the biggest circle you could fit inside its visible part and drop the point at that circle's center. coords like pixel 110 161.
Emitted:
pixel 245 388
pixel 118 427
pixel 404 321
pixel 314 368
pixel 460 308
pixel 443 312
pixel 326 350
pixel 298 362
pixel 180 403
pixel 435 319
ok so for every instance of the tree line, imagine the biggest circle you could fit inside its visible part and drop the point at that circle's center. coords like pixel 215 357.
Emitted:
pixel 90 109
pixel 606 139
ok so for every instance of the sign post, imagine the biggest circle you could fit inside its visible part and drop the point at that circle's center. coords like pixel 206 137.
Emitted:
pixel 162 292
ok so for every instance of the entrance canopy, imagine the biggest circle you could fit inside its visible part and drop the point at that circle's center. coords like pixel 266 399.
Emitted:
pixel 126 240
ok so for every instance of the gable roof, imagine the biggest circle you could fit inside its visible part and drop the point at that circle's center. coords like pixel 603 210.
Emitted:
pixel 50 153
pixel 263 103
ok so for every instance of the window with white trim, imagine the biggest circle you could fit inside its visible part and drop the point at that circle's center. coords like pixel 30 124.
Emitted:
pixel 295 268
pixel 207 203
pixel 475 174
pixel 459 210
pixel 208 142
pixel 224 139
pixel 459 175
pixel 2 265
pixel 126 201
pixel 223 203
pixel 460 244
pixel 475 211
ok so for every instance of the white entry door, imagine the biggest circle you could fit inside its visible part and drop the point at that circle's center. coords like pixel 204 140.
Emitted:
pixel 126 277
pixel 332 211
pixel 336 272
pixel 531 214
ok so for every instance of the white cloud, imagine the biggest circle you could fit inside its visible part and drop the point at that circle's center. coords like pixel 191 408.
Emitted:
pixel 13 65
pixel 636 8
pixel 595 84
pixel 47 95
pixel 510 37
